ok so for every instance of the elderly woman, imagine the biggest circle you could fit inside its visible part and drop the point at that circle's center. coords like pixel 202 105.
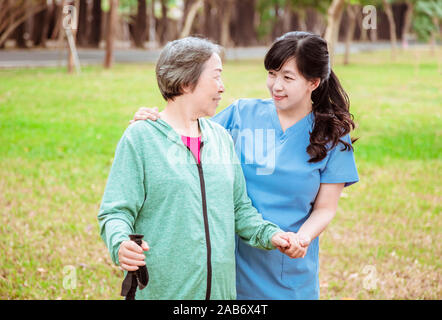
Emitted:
pixel 178 182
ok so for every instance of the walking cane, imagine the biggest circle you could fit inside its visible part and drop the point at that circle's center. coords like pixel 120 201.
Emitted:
pixel 136 278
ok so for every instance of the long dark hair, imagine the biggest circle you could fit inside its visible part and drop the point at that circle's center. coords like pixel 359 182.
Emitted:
pixel 331 104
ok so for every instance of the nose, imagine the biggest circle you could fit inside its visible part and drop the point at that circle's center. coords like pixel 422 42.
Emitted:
pixel 277 84
pixel 221 87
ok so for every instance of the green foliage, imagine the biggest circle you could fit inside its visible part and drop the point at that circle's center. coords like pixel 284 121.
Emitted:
pixel 268 17
pixel 425 14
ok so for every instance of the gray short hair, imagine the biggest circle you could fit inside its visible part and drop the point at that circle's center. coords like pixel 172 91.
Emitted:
pixel 181 63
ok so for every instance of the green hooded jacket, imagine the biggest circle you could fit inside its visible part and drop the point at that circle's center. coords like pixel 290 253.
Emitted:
pixel 188 212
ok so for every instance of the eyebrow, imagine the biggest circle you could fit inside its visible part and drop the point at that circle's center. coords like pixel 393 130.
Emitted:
pixel 289 72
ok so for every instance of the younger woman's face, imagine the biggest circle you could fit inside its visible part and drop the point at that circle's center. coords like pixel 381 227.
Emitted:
pixel 288 87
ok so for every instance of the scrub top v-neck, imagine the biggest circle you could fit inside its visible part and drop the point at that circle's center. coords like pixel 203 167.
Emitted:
pixel 282 185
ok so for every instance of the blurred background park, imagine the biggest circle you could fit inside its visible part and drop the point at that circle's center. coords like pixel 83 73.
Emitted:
pixel 72 74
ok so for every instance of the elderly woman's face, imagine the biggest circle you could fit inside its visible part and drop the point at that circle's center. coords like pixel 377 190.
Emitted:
pixel 207 92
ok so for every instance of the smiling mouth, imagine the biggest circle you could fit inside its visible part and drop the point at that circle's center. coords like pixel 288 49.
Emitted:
pixel 278 97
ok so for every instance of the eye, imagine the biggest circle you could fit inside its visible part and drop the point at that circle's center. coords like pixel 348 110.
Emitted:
pixel 272 73
pixel 288 78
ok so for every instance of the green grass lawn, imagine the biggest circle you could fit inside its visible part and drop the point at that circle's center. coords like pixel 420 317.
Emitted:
pixel 58 135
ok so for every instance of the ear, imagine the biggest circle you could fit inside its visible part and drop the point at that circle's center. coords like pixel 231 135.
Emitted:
pixel 186 89
pixel 314 83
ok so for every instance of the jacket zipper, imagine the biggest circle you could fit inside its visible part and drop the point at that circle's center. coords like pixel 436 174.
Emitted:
pixel 206 225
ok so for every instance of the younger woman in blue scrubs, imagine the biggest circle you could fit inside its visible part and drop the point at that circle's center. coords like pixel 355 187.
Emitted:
pixel 297 156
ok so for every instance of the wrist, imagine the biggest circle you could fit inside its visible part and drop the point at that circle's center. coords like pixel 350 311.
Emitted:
pixel 304 236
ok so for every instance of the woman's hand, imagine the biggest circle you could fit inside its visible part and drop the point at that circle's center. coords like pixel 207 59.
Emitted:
pixel 130 255
pixel 281 241
pixel 146 113
pixel 298 245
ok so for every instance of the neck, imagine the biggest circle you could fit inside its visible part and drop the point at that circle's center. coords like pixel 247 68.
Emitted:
pixel 290 116
pixel 181 117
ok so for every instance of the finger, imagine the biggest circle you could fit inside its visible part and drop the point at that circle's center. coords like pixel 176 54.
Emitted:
pixel 144 116
pixel 132 262
pixel 293 252
pixel 153 111
pixel 132 246
pixel 128 268
pixel 304 241
pixel 285 236
pixel 141 116
pixel 151 116
pixel 144 245
pixel 133 255
pixel 280 242
pixel 298 253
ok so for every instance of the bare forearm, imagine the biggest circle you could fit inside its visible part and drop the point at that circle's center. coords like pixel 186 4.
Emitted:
pixel 316 223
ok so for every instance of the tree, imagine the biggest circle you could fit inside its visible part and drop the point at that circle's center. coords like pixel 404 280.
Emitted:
pixel 226 14
pixel 95 31
pixel 244 33
pixel 163 23
pixel 110 33
pixel 140 28
pixel 212 20
pixel 407 22
pixel 426 22
pixel 40 27
pixel 191 17
pixel 18 12
pixel 352 12
pixel 334 15
pixel 83 24
pixel 392 25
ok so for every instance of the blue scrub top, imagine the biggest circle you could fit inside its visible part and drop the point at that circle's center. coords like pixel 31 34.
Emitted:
pixel 282 185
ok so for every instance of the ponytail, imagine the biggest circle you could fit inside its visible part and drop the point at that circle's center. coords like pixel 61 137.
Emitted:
pixel 332 118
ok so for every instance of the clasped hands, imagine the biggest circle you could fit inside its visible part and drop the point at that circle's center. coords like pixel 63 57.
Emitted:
pixel 292 244
pixel 130 255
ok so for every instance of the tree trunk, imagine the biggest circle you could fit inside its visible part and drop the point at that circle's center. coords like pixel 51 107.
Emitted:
pixel 286 18
pixel 392 24
pixel 95 30
pixel 40 28
pixel 244 29
pixel 226 13
pixel 434 33
pixel 20 40
pixel 334 15
pixel 163 23
pixel 152 26
pixel 140 28
pixel 407 24
pixel 352 11
pixel 22 14
pixel 110 33
pixel 58 14
pixel 83 24
pixel 190 18
pixel 211 24
pixel 277 23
